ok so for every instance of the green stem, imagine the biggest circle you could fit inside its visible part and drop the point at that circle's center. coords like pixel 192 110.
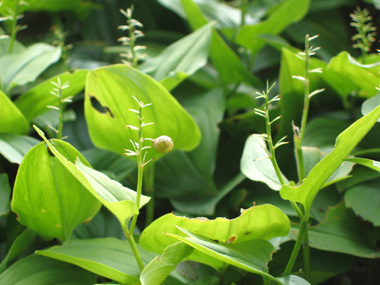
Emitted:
pixel 149 189
pixel 297 246
pixel 306 255
pixel 135 251
pixel 140 171
pixel 298 138
pixel 272 152
pixel 13 32
pixel 60 116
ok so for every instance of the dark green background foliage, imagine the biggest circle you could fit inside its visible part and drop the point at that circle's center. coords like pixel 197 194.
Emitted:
pixel 204 64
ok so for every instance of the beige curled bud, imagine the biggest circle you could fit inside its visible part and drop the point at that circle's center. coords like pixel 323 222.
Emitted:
pixel 163 144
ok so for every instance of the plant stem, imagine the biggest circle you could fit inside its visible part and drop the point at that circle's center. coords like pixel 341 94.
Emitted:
pixel 13 30
pixel 297 246
pixel 298 138
pixel 306 255
pixel 149 189
pixel 140 171
pixel 60 115
pixel 272 153
pixel 135 251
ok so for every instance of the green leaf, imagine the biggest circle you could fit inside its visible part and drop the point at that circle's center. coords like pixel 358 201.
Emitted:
pixel 364 200
pixel 5 194
pixel 12 120
pixel 104 224
pixel 160 267
pixel 256 165
pixel 293 280
pixel 4 46
pixel 286 13
pixel 14 147
pixel 322 132
pixel 225 15
pixel 370 104
pixel 113 87
pixel 313 155
pixel 26 66
pixel 20 244
pixel 46 197
pixel 372 164
pixel 180 174
pixel 251 256
pixel 33 102
pixel 108 257
pixel 227 63
pixel 342 232
pixel 186 55
pixel 36 269
pixel 259 222
pixel 120 200
pixel 344 76
pixel 196 205
pixel 345 143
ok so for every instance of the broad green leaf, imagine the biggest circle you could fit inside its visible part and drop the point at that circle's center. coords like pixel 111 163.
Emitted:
pixel 286 13
pixel 104 224
pixel 14 147
pixel 186 55
pixel 196 205
pixel 108 257
pixel 117 198
pixel 4 46
pixel 5 194
pixel 344 76
pixel 20 244
pixel 322 132
pixel 256 165
pixel 342 232
pixel 36 269
pixel 180 174
pixel 34 102
pixel 251 256
pixel 292 280
pixel 113 87
pixel 345 143
pixel 364 200
pixel 174 79
pixel 259 222
pixel 292 90
pixel 370 104
pixel 313 155
pixel 24 67
pixel 225 15
pixel 226 62
pixel 80 7
pixel 12 120
pixel 121 201
pixel 46 197
pixel 117 167
pixel 159 268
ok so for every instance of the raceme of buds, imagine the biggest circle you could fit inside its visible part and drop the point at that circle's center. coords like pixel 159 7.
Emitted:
pixel 163 144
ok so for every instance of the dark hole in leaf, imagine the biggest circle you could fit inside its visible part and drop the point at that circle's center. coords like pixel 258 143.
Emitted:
pixel 101 109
